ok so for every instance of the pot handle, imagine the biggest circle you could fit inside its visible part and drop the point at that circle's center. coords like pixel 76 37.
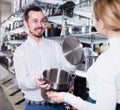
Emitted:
pixel 71 83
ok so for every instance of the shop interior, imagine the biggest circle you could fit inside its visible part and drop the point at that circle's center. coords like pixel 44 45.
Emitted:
pixel 70 22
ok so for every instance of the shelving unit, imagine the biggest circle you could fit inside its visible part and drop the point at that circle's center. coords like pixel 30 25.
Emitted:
pixel 58 2
pixel 85 12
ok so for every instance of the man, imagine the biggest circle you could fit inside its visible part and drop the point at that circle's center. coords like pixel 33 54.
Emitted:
pixel 34 56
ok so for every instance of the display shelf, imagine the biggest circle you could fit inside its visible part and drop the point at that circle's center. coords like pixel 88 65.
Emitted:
pixel 84 12
pixel 88 38
pixel 59 2
pixel 74 21
pixel 14 41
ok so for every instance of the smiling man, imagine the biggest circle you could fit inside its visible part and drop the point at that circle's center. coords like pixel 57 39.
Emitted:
pixel 34 56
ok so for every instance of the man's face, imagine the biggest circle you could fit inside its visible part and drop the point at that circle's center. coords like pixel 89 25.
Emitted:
pixel 35 23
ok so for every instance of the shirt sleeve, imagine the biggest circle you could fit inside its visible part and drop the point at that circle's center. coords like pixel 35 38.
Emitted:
pixel 104 102
pixel 24 79
pixel 78 103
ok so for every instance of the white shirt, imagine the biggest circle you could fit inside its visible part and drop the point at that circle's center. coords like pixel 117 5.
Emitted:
pixel 31 59
pixel 104 81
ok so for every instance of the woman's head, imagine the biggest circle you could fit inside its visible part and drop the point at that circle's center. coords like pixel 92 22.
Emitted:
pixel 109 12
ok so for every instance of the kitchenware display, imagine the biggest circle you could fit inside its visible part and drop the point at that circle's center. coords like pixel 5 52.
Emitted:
pixel 80 29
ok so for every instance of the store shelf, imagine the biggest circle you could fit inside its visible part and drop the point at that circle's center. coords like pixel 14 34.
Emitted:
pixel 85 11
pixel 52 1
pixel 14 41
pixel 70 21
pixel 88 38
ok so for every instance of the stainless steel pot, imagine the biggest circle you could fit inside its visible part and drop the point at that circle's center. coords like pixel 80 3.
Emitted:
pixel 59 80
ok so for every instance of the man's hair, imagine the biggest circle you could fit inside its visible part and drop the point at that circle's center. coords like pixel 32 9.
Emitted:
pixel 30 8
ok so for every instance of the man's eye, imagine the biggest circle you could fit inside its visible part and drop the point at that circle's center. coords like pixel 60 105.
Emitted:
pixel 44 20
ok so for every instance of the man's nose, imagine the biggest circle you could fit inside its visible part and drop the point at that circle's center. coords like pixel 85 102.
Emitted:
pixel 42 24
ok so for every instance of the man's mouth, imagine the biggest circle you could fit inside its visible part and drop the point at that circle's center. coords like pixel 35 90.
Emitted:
pixel 39 30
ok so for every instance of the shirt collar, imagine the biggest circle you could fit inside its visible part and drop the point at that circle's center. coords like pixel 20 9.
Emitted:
pixel 33 42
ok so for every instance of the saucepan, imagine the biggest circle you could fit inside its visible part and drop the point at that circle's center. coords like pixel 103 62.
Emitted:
pixel 59 79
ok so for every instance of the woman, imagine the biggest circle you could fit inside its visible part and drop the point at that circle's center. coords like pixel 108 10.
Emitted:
pixel 103 76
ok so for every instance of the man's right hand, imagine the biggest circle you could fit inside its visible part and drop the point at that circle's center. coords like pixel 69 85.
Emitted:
pixel 41 83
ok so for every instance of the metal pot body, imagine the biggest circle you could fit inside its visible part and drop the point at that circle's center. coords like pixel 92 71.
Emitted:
pixel 59 80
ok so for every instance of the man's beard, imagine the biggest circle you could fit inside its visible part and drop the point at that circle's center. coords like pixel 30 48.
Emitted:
pixel 39 35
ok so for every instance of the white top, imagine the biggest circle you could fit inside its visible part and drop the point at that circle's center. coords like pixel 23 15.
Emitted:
pixel 104 81
pixel 30 60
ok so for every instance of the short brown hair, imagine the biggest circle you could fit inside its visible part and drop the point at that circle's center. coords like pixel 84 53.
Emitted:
pixel 30 8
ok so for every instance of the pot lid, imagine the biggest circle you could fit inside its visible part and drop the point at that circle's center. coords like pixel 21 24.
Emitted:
pixel 73 50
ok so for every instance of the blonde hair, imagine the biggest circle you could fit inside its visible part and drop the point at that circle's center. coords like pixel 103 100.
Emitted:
pixel 109 12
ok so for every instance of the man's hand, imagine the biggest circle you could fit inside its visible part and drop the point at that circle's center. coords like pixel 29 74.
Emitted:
pixel 41 83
